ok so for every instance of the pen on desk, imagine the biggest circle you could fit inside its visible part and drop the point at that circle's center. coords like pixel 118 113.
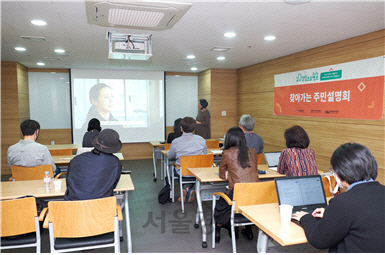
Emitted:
pixel 65 158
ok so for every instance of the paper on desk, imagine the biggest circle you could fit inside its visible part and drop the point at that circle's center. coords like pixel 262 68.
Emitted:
pixel 216 151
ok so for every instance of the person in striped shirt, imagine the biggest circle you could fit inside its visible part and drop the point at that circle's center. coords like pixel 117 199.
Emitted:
pixel 297 159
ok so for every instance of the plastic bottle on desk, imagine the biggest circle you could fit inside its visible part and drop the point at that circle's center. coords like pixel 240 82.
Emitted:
pixel 47 181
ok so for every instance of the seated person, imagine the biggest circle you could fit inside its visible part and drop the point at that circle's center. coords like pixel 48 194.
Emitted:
pixel 95 174
pixel 238 165
pixel 297 159
pixel 177 133
pixel 354 221
pixel 93 129
pixel 247 124
pixel 187 145
pixel 27 152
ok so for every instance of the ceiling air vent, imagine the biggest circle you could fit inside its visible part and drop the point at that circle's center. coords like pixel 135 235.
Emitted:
pixel 220 48
pixel 154 15
pixel 52 58
pixel 34 38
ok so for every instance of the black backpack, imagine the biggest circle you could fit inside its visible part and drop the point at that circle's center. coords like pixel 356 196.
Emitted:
pixel 164 193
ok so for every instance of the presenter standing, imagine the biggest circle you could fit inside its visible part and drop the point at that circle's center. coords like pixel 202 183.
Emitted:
pixel 203 120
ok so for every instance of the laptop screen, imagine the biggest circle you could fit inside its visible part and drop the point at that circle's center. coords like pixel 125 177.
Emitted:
pixel 272 158
pixel 300 191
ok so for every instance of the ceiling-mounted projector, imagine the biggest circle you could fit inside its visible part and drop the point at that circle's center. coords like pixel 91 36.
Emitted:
pixel 129 46
pixel 147 15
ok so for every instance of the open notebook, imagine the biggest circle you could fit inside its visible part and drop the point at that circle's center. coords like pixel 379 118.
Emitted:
pixel 304 193
pixel 272 159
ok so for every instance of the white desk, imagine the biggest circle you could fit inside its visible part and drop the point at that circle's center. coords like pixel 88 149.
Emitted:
pixel 156 148
pixel 65 159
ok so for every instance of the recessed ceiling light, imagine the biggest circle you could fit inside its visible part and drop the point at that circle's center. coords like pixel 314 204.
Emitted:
pixel 40 64
pixel 194 68
pixel 39 22
pixel 230 34
pixel 60 51
pixel 270 38
pixel 221 58
pixel 20 49
pixel 62 78
pixel 190 56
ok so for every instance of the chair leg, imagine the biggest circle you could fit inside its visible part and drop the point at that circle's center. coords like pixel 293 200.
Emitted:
pixel 232 228
pixel 116 235
pixel 181 193
pixel 172 186
pixel 38 235
pixel 233 237
pixel 51 238
pixel 213 225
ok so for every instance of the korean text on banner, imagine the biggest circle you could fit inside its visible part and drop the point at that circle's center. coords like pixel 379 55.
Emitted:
pixel 353 90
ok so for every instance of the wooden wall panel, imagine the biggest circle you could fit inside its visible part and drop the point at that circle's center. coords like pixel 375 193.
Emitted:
pixel 170 129
pixel 48 70
pixel 130 151
pixel 223 98
pixel 23 92
pixel 204 84
pixel 10 125
pixel 59 136
pixel 255 94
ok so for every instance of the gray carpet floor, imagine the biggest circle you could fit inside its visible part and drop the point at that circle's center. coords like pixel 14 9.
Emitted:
pixel 157 228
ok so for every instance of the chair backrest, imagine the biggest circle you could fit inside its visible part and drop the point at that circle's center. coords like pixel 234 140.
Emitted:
pixel 72 219
pixel 259 158
pixel 60 152
pixel 254 193
pixel 21 173
pixel 327 185
pixel 205 160
pixel 83 149
pixel 167 146
pixel 212 144
pixel 18 216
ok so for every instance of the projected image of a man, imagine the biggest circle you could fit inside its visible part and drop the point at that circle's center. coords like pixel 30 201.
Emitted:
pixel 101 98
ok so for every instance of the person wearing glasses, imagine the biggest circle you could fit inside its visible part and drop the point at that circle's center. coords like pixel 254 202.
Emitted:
pixel 354 221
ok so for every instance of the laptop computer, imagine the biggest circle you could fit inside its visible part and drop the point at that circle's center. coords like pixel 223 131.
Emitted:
pixel 272 159
pixel 304 193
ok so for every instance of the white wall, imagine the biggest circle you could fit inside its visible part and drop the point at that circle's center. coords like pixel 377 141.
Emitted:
pixel 181 97
pixel 49 99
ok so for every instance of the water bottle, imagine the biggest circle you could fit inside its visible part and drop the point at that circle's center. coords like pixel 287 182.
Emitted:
pixel 47 181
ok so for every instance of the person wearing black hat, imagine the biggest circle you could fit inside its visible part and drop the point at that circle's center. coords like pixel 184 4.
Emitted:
pixel 95 174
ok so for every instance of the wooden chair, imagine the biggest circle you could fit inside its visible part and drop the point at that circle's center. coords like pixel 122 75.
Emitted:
pixel 211 144
pixel 329 182
pixel 60 152
pixel 205 160
pixel 21 173
pixel 245 194
pixel 19 217
pixel 259 158
pixel 83 225
pixel 167 146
